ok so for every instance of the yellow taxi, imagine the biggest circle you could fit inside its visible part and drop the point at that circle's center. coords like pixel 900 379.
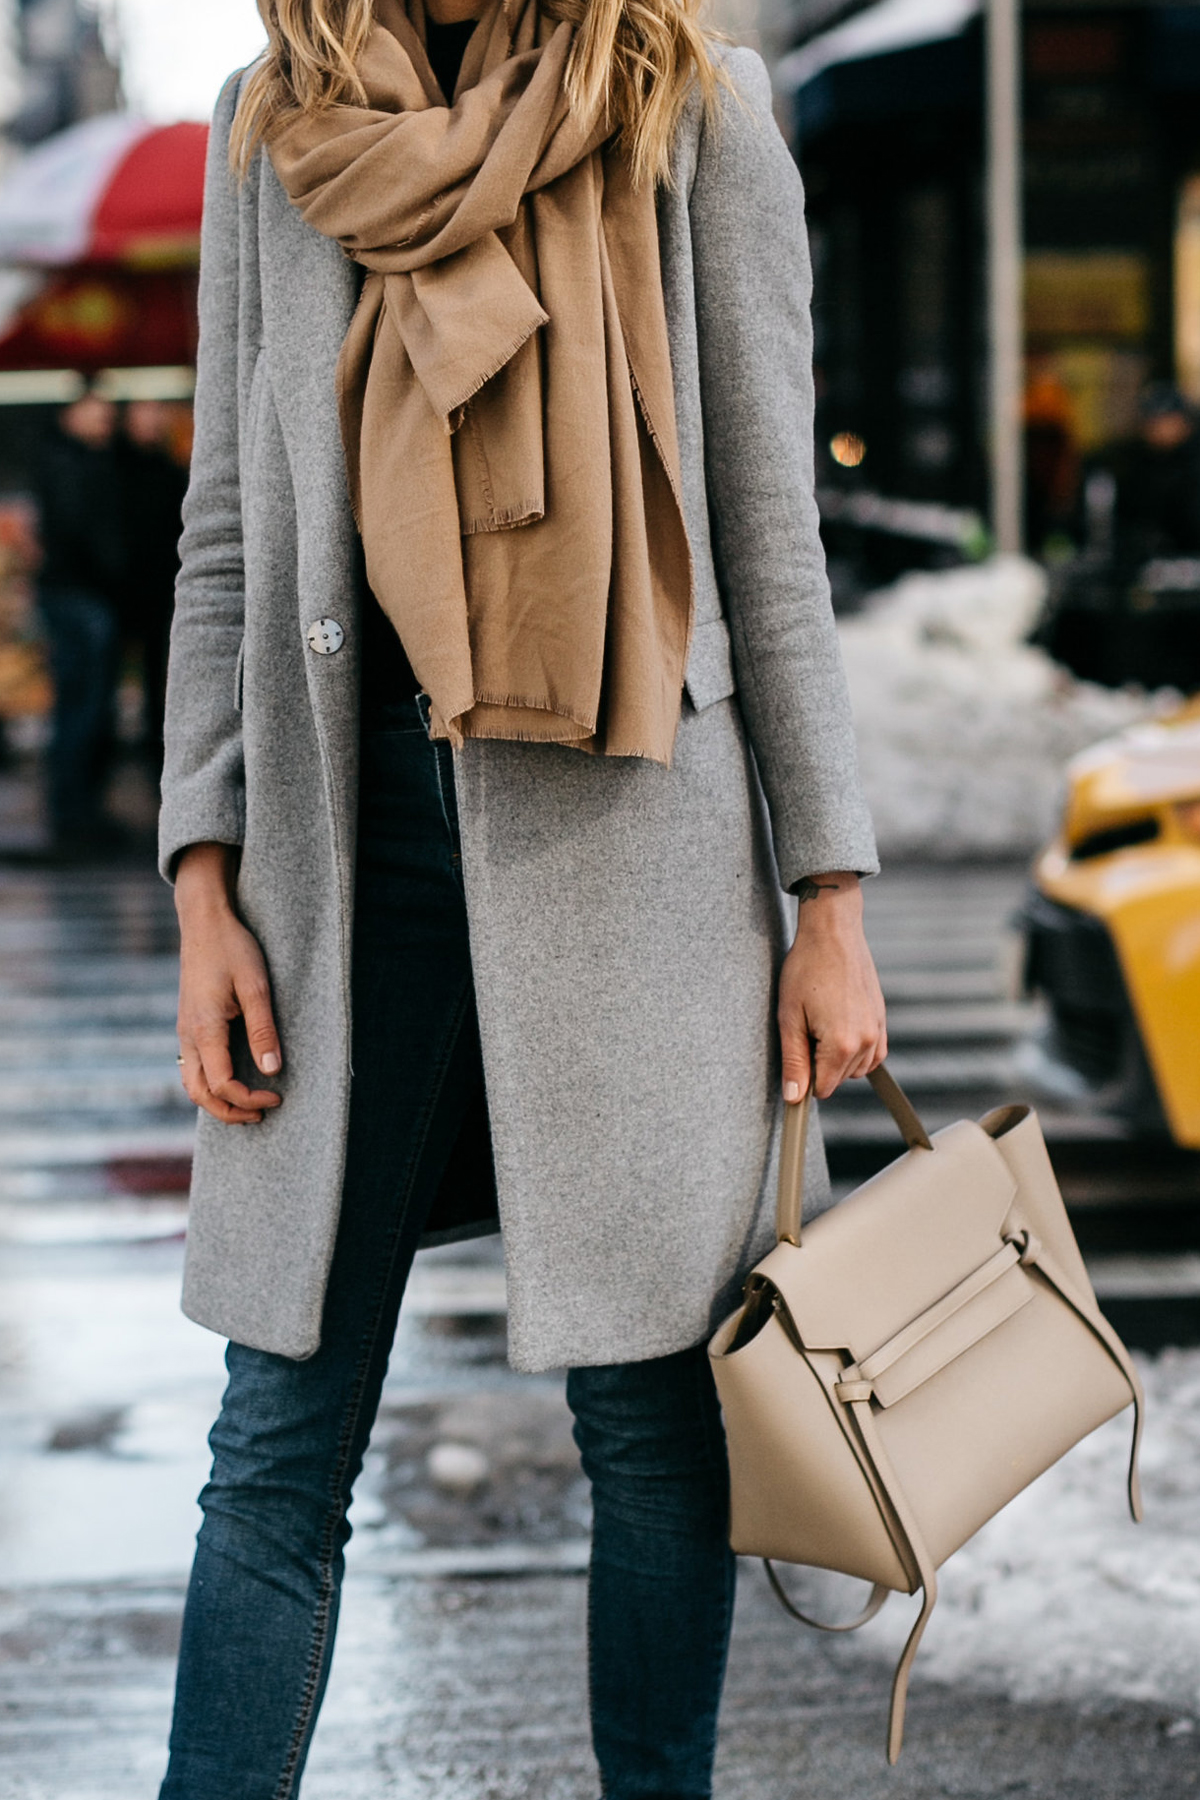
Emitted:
pixel 1112 928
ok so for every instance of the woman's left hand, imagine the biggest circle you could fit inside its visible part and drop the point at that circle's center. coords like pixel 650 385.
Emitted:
pixel 830 1001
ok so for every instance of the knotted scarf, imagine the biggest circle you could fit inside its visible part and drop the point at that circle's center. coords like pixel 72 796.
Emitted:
pixel 505 388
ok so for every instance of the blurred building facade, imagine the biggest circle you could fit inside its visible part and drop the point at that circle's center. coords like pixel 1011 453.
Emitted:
pixel 61 69
pixel 885 111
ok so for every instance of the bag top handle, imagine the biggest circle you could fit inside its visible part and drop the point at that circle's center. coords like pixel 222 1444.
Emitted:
pixel 795 1141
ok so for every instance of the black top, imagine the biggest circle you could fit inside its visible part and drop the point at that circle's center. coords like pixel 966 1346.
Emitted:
pixel 445 46
pixel 1158 498
pixel 387 674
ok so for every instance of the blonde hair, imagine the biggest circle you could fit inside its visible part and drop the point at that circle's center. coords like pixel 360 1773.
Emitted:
pixel 633 61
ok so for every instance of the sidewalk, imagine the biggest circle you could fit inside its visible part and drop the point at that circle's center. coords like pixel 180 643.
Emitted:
pixel 475 1690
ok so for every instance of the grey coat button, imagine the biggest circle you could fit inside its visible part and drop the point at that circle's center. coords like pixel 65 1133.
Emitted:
pixel 326 637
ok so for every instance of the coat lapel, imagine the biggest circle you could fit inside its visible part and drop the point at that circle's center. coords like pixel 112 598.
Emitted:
pixel 309 291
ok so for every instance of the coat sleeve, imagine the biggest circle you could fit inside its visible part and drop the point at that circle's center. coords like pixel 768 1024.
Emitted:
pixel 753 291
pixel 203 790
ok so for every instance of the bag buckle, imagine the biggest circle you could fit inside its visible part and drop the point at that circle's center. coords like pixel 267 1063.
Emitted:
pixel 853 1387
pixel 1028 1246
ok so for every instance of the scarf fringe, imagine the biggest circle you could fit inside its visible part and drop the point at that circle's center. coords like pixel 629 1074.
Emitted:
pixel 587 724
pixel 587 746
pixel 457 411
pixel 509 518
pixel 459 732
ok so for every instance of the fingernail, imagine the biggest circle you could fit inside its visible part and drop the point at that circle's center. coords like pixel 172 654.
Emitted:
pixel 791 1092
pixel 270 1063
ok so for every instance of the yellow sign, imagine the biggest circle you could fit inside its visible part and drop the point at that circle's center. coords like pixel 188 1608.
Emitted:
pixel 1087 294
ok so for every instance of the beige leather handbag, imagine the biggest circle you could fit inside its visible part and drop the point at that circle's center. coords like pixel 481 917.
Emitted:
pixel 930 1348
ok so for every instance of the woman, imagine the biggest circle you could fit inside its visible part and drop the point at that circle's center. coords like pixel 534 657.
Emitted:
pixel 471 802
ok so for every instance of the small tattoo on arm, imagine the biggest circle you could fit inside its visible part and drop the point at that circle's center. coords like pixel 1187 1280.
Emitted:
pixel 808 889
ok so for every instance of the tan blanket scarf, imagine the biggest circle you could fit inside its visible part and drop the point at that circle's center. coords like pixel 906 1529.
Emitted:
pixel 506 394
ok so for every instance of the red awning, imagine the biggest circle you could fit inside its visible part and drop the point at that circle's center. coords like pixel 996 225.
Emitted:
pixel 112 190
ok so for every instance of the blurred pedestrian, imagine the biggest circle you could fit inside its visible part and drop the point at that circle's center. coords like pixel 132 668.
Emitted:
pixel 154 482
pixel 1051 459
pixel 1157 475
pixel 1128 610
pixel 533 719
pixel 81 585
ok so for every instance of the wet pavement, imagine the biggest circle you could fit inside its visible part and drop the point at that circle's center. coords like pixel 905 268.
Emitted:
pixel 475 1690
pixel 1065 1660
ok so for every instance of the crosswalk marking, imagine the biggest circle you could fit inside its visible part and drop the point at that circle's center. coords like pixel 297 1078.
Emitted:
pixel 88 993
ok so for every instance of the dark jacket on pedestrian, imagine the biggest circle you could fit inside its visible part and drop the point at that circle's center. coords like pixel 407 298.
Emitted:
pixel 78 492
pixel 153 486
pixel 1158 498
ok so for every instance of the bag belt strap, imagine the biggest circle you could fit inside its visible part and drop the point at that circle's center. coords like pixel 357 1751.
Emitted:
pixel 1033 1252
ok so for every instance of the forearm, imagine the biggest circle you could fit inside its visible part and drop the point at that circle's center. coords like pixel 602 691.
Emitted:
pixel 205 880
pixel 842 885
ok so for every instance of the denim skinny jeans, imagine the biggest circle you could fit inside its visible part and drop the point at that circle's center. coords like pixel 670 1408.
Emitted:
pixel 262 1604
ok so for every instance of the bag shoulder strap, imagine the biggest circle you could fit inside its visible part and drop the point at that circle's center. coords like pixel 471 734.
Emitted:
pixel 856 1415
pixel 879 1595
pixel 853 1411
pixel 865 1420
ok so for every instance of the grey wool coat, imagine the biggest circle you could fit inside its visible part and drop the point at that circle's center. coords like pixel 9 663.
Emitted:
pixel 627 921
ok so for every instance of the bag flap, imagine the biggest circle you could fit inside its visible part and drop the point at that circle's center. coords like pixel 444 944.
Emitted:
pixel 894 1247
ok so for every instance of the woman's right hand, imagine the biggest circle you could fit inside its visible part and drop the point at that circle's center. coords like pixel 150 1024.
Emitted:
pixel 222 977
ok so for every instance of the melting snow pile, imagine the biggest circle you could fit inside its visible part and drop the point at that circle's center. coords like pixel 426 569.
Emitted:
pixel 964 728
pixel 1060 1596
